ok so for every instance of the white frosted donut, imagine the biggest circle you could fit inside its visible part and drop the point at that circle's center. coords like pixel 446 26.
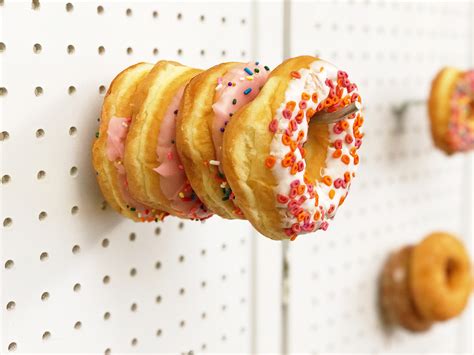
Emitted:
pixel 289 177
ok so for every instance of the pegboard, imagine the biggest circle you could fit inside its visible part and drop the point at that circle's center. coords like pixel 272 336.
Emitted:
pixel 75 276
pixel 405 187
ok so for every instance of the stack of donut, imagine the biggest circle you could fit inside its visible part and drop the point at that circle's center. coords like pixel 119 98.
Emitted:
pixel 426 283
pixel 451 109
pixel 234 140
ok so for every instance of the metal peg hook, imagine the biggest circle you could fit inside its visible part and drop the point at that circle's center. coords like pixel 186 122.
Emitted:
pixel 323 117
pixel 400 112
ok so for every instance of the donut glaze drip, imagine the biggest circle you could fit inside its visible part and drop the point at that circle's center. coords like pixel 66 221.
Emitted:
pixel 173 181
pixel 461 125
pixel 117 131
pixel 305 205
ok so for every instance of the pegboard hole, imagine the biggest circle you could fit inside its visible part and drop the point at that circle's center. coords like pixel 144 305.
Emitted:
pixel 41 175
pixel 37 48
pixel 203 52
pixel 45 296
pixel 157 230
pixel 69 7
pixel 133 272
pixel 158 265
pixel 243 21
pixel 158 299
pixel 107 351
pixel 76 249
pixel 11 306
pixel 3 91
pixel 159 332
pixel 223 53
pixel 46 335
pixel 72 131
pixel 180 225
pixel 134 307
pixel 40 133
pixel 39 91
pixel 134 342
pixel 35 4
pixel 6 179
pixel 4 136
pixel 129 12
pixel 71 90
pixel 77 287
pixel 101 50
pixel 107 315
pixel 73 171
pixel 129 50
pixel 44 256
pixel 202 18
pixel 203 284
pixel 132 237
pixel 12 347
pixel 105 243
pixel 3 47
pixel 155 14
pixel 203 347
pixel 203 315
pixel 181 258
pixel 9 264
pixel 7 222
pixel 182 291
pixel 203 252
pixel 42 215
pixel 180 52
pixel 102 89
pixel 106 279
pixel 155 51
pixel 223 19
pixel 182 324
pixel 179 16
pixel 71 49
pixel 78 325
pixel 100 9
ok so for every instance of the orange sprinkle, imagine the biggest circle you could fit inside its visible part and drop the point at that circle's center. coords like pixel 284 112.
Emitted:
pixel 356 159
pixel 303 152
pixel 293 237
pixel 317 215
pixel 286 140
pixel 353 151
pixel 347 176
pixel 344 124
pixel 301 216
pixel 301 189
pixel 295 74
pixel 299 116
pixel 345 159
pixel 314 97
pixel 270 161
pixel 286 162
pixel 337 153
pixel 309 113
pixel 290 105
pixel 305 96
pixel 341 201
pixel 327 180
pixel 316 199
pixel 293 146
pixel 300 136
pixel 294 169
pixel 331 194
pixel 289 155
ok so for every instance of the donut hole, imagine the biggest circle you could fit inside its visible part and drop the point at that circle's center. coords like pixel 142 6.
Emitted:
pixel 452 271
pixel 316 148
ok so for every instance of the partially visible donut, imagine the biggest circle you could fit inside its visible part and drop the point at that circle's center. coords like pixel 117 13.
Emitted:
pixel 209 103
pixel 289 179
pixel 451 109
pixel 440 277
pixel 395 298
pixel 108 149
pixel 155 173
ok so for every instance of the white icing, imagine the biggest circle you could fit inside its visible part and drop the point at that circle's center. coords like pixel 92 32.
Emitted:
pixel 312 81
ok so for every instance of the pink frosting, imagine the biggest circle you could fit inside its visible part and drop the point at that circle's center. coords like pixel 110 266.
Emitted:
pixel 173 181
pixel 117 131
pixel 236 88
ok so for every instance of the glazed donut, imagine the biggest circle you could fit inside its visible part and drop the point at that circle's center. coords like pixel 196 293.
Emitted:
pixel 395 298
pixel 440 277
pixel 209 103
pixel 155 173
pixel 289 177
pixel 108 149
pixel 451 110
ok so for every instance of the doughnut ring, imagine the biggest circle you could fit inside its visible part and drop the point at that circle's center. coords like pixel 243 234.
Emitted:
pixel 440 277
pixel 451 110
pixel 209 103
pixel 395 298
pixel 155 173
pixel 290 177
pixel 108 149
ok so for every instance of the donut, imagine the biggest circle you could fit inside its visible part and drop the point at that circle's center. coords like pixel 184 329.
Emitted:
pixel 155 173
pixel 396 302
pixel 451 110
pixel 210 101
pixel 290 177
pixel 108 148
pixel 440 277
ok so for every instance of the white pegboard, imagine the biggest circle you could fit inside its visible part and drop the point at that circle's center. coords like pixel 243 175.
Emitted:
pixel 405 188
pixel 83 279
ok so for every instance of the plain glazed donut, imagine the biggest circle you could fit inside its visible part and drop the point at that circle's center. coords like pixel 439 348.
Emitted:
pixel 289 179
pixel 440 277
pixel 108 149
pixel 209 103
pixel 451 109
pixel 395 298
pixel 155 173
